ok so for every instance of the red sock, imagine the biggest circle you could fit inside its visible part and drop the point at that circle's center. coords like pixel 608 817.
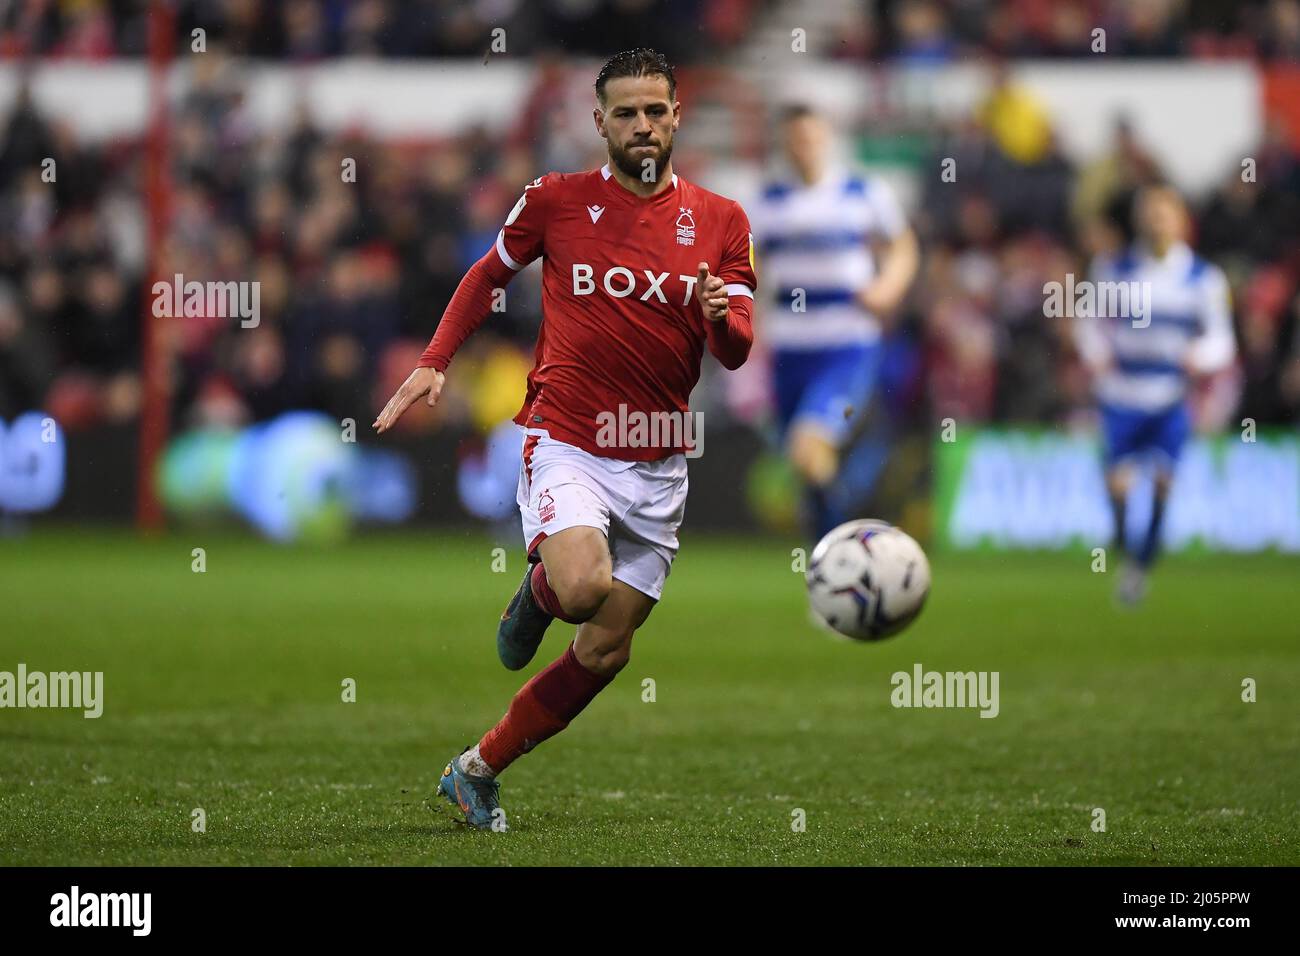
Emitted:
pixel 546 598
pixel 541 709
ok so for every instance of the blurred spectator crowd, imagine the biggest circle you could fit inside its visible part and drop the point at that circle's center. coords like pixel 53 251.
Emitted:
pixel 353 270
pixel 917 31
pixel 354 274
pixel 1022 215
pixel 307 30
pixel 940 31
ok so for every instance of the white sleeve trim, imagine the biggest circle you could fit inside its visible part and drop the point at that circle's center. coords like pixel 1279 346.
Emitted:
pixel 739 288
pixel 505 256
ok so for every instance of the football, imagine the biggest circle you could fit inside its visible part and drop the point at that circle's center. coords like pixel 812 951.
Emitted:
pixel 867 580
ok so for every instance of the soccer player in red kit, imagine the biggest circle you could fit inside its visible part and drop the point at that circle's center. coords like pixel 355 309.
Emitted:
pixel 641 271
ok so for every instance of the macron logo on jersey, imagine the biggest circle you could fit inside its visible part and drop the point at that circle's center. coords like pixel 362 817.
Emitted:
pixel 595 212
pixel 620 283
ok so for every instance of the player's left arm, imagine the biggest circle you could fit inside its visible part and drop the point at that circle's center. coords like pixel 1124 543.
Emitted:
pixel 727 297
pixel 899 254
pixel 899 260
pixel 1216 347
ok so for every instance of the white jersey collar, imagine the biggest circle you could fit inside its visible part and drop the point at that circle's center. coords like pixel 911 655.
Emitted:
pixel 1178 256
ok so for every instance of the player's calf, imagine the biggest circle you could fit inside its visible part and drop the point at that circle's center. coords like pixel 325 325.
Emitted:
pixel 604 644
pixel 1150 547
pixel 541 709
pixel 604 651
pixel 560 691
pixel 1117 486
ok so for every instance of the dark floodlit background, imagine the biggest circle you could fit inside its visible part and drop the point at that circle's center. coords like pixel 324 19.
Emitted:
pixel 211 139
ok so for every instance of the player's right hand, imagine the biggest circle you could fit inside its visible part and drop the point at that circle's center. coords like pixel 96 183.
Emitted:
pixel 711 293
pixel 423 381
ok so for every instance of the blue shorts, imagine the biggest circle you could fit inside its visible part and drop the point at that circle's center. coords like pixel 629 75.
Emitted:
pixel 828 388
pixel 1132 433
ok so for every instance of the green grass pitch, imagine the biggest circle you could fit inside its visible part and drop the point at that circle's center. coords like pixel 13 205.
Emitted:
pixel 223 692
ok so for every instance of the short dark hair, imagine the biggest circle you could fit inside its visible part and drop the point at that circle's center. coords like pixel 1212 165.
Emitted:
pixel 796 111
pixel 639 62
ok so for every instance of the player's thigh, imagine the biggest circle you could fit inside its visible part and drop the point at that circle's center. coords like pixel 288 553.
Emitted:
pixel 804 427
pixel 838 393
pixel 1123 441
pixel 578 565
pixel 644 540
pixel 1171 434
pixel 564 509
pixel 790 371
pixel 604 643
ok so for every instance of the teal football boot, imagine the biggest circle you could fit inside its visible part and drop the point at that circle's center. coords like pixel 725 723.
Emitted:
pixel 477 797
pixel 522 627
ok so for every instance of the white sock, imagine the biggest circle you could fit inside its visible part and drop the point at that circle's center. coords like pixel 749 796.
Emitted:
pixel 474 765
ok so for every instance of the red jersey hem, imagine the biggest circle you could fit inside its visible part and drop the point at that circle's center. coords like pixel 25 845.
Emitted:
pixel 558 432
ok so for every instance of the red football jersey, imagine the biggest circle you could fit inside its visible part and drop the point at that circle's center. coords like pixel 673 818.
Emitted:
pixel 620 321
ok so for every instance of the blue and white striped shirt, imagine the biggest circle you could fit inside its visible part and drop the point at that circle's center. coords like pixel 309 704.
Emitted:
pixel 1188 319
pixel 815 239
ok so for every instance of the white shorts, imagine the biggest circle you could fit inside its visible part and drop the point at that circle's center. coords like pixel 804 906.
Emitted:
pixel 637 505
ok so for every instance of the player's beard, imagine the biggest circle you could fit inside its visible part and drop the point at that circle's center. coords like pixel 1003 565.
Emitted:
pixel 631 163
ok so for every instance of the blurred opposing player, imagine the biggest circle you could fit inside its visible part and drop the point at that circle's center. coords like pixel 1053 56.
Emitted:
pixel 839 257
pixel 1178 326
pixel 641 271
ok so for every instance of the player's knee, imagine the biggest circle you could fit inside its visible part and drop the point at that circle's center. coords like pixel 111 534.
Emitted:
pixel 1117 484
pixel 582 590
pixel 813 458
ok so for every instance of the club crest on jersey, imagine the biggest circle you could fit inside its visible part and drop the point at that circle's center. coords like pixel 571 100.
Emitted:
pixel 685 227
